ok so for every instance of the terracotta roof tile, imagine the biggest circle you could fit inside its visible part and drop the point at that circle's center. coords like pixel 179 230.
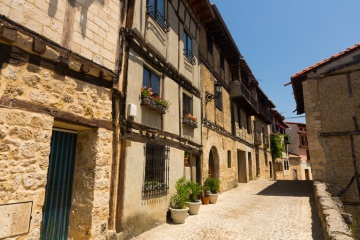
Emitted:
pixel 349 49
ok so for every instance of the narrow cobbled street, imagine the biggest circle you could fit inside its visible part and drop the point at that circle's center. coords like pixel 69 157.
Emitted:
pixel 261 209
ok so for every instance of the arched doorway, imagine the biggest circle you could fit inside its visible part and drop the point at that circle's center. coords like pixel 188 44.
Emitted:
pixel 214 163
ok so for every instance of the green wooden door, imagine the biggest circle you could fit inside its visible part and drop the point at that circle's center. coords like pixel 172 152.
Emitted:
pixel 59 185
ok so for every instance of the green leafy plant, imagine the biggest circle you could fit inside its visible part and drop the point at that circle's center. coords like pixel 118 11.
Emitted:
pixel 194 191
pixel 276 145
pixel 212 184
pixel 148 92
pixel 178 200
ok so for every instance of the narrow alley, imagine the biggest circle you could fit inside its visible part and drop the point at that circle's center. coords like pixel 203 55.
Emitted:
pixel 260 209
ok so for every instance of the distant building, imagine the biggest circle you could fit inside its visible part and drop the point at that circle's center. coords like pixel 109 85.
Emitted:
pixel 329 94
pixel 299 146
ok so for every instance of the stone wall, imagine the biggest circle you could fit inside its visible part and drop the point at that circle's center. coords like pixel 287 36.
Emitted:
pixel 331 211
pixel 24 152
pixel 91 185
pixel 93 33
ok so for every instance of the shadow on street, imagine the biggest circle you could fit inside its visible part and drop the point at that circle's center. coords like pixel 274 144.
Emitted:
pixel 295 188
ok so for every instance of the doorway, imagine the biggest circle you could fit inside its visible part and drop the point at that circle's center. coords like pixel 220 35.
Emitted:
pixel 213 163
pixel 241 157
pixel 295 174
pixel 250 166
pixel 59 185
pixel 271 169
pixel 307 174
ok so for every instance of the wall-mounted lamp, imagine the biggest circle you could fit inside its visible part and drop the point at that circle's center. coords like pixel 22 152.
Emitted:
pixel 209 96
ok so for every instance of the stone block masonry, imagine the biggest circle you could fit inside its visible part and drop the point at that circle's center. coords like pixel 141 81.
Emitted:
pixel 331 214
pixel 24 152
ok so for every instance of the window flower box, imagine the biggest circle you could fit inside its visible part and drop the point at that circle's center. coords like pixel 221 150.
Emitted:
pixel 151 100
pixel 153 105
pixel 190 120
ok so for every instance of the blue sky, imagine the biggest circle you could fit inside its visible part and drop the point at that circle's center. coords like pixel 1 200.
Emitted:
pixel 279 38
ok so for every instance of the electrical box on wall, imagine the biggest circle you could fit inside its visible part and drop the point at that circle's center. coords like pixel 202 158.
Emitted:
pixel 132 110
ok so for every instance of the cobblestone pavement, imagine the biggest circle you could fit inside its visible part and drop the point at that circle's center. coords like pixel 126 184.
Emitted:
pixel 260 209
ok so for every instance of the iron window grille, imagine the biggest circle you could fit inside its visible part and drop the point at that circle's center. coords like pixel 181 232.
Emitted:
pixel 188 48
pixel 159 18
pixel 189 56
pixel 156 180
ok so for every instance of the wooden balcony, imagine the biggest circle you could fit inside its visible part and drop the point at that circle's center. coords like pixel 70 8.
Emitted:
pixel 257 138
pixel 241 95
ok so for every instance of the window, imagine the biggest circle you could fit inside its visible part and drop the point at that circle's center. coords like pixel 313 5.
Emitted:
pixel 286 165
pixel 248 124
pixel 229 158
pixel 239 117
pixel 188 48
pixel 156 182
pixel 151 80
pixel 218 101
pixel 307 155
pixel 187 104
pixel 303 141
pixel 222 64
pixel 209 44
pixel 156 9
pixel 266 158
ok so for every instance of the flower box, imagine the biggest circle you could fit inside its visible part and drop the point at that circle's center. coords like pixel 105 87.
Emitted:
pixel 190 122
pixel 153 105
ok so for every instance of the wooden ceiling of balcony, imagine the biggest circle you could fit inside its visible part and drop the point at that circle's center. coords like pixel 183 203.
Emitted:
pixel 209 15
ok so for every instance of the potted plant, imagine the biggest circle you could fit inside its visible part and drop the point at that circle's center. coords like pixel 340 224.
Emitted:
pixel 213 184
pixel 151 100
pixel 205 195
pixel 193 197
pixel 178 206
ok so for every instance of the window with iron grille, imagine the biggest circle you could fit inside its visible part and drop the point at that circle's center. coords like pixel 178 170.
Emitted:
pixel 187 104
pixel 188 48
pixel 156 9
pixel 156 180
pixel 286 165
pixel 151 80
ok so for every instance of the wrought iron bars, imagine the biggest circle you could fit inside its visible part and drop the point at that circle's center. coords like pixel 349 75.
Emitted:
pixel 160 19
pixel 156 181
pixel 189 56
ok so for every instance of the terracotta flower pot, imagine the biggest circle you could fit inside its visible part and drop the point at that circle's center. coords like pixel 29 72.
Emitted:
pixel 193 207
pixel 205 200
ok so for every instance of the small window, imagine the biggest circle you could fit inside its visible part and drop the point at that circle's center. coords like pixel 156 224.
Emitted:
pixel 286 165
pixel 248 124
pixel 151 80
pixel 188 48
pixel 218 101
pixel 239 117
pixel 187 104
pixel 156 179
pixel 209 44
pixel 229 158
pixel 307 155
pixel 266 158
pixel 222 64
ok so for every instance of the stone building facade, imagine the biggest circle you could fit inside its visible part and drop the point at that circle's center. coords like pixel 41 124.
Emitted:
pixel 299 146
pixel 232 118
pixel 328 92
pixel 283 168
pixel 160 61
pixel 58 64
